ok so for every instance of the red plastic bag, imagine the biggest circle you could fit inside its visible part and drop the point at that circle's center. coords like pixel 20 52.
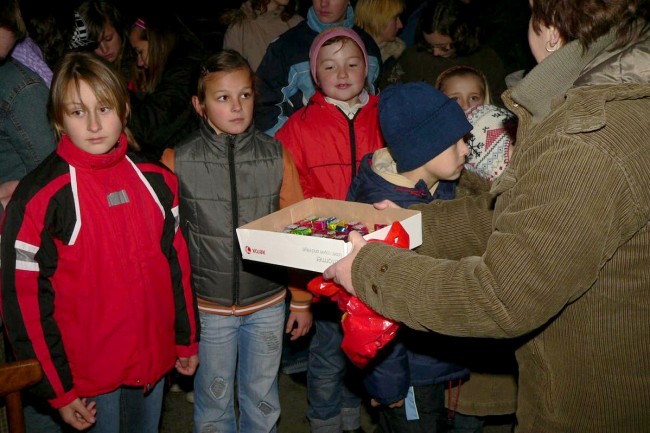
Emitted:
pixel 365 331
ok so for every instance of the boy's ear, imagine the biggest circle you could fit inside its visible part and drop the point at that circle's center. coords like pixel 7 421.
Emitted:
pixel 198 107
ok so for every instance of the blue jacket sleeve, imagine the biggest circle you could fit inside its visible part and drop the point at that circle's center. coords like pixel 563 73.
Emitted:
pixel 28 136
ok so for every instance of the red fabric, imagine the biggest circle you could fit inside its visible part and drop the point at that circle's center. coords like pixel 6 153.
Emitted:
pixel 101 284
pixel 365 331
pixel 321 140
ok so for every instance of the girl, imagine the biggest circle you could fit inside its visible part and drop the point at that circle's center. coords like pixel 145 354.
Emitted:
pixel 241 306
pixel 327 139
pixel 467 85
pixel 168 56
pixel 95 275
pixel 106 26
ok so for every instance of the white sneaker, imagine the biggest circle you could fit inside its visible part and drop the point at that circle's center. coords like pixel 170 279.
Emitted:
pixel 189 397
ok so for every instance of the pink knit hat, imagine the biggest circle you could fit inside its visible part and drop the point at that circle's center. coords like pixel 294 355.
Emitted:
pixel 331 33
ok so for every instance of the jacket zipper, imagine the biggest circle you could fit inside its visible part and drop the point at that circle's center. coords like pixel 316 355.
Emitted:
pixel 235 218
pixel 353 143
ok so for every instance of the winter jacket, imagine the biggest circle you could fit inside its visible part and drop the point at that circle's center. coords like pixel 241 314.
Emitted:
pixel 26 136
pixel 227 181
pixel 420 65
pixel 250 34
pixel 95 273
pixel 285 82
pixel 324 142
pixel 163 117
pixel 411 360
pixel 557 253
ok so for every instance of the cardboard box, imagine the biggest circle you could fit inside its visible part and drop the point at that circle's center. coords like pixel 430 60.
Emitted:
pixel 262 240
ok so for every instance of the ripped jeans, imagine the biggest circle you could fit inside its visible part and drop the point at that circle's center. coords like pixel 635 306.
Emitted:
pixel 245 350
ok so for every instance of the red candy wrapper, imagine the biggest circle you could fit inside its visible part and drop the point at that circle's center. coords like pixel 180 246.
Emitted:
pixel 365 331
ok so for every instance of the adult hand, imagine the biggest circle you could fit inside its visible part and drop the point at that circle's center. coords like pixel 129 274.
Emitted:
pixel 187 366
pixel 302 321
pixel 79 414
pixel 341 271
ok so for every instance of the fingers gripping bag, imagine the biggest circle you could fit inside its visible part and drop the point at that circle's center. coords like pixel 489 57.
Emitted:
pixel 365 331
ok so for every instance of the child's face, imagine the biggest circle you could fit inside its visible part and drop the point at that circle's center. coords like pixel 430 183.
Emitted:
pixel 341 71
pixel 228 103
pixel 330 11
pixel 91 125
pixel 140 46
pixel 110 44
pixel 466 89
pixel 449 164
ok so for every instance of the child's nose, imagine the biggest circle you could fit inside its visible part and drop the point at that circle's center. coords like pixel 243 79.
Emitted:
pixel 94 124
pixel 464 148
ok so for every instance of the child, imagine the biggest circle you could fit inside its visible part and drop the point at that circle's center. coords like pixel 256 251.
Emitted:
pixel 327 139
pixel 95 273
pixel 424 132
pixel 231 174
pixel 167 59
pixel 493 135
pixel 465 84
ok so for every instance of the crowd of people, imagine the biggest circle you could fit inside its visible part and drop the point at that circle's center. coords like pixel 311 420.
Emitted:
pixel 132 145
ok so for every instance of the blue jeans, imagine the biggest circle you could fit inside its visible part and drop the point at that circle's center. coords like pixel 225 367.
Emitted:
pixel 333 404
pixel 246 350
pixel 129 410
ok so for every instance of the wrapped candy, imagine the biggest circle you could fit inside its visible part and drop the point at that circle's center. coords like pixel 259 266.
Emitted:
pixel 365 331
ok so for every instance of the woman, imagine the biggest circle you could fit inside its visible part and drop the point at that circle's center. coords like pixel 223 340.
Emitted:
pixel 258 22
pixel 447 36
pixel 381 19
pixel 561 258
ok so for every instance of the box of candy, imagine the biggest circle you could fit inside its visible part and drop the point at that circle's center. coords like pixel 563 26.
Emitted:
pixel 312 234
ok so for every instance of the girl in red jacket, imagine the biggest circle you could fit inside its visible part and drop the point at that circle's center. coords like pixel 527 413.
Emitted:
pixel 95 273
pixel 327 139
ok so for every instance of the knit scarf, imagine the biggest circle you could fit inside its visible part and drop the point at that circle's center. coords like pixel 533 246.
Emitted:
pixel 317 26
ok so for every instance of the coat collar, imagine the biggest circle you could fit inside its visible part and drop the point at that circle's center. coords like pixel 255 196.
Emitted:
pixel 549 81
pixel 79 158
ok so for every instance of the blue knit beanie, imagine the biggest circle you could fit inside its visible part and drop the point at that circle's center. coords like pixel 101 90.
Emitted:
pixel 418 123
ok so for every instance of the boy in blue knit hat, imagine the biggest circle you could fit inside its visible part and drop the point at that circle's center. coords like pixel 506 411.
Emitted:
pixel 424 132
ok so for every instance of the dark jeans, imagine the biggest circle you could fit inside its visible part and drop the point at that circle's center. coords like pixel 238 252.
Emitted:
pixel 430 403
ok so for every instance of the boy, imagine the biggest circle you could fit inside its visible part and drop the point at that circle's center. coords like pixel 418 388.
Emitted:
pixel 426 150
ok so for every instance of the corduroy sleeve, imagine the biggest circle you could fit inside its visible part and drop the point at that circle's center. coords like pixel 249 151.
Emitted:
pixel 553 231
